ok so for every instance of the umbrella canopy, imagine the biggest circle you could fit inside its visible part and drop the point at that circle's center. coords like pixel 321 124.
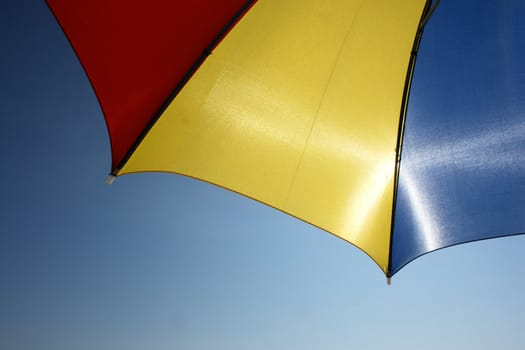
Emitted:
pixel 302 106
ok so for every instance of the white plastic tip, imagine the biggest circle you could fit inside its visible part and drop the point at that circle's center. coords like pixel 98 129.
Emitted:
pixel 110 179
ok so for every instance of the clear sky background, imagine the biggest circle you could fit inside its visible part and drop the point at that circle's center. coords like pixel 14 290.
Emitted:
pixel 158 261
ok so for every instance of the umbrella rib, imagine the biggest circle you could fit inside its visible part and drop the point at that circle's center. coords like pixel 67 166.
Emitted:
pixel 429 9
pixel 429 13
pixel 186 77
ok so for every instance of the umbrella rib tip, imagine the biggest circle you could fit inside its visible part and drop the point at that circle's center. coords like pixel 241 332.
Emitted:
pixel 110 179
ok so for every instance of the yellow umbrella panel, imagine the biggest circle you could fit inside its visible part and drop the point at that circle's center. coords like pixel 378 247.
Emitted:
pixel 298 107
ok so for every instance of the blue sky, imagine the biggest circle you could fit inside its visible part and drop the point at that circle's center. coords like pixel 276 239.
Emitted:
pixel 158 261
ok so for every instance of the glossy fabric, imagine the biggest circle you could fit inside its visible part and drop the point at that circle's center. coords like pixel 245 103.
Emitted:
pixel 462 172
pixel 298 107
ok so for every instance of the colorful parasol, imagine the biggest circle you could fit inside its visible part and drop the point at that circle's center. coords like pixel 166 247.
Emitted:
pixel 302 105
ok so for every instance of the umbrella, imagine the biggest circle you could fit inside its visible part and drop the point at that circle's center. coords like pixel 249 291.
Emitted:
pixel 303 106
